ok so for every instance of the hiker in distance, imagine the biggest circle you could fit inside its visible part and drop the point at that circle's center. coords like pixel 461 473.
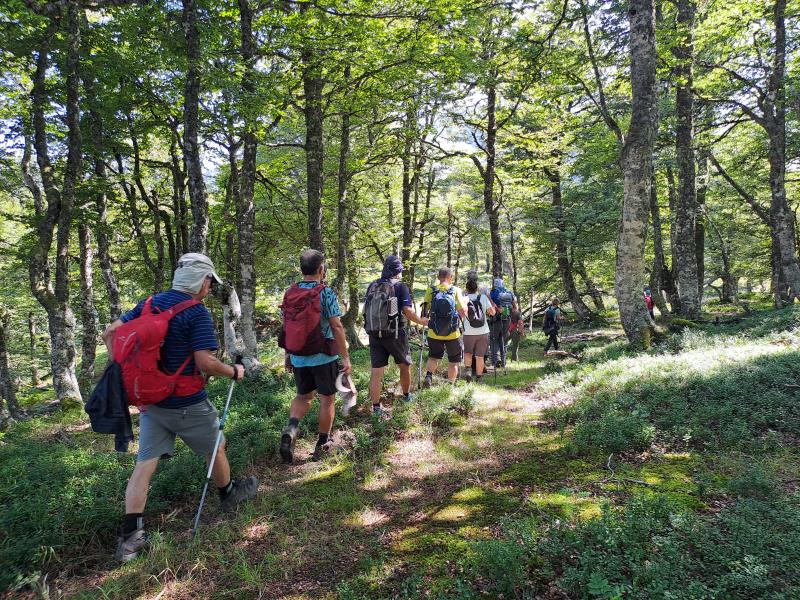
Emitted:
pixel 187 348
pixel 446 306
pixel 314 340
pixel 476 327
pixel 505 301
pixel 551 324
pixel 387 308
pixel 516 331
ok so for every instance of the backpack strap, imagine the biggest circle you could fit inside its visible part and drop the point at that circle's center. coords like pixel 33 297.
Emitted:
pixel 148 307
pixel 178 308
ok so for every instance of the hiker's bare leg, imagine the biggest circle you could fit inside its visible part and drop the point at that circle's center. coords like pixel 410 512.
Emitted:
pixel 405 378
pixel 452 372
pixel 139 485
pixel 479 365
pixel 300 405
pixel 433 363
pixel 375 381
pixel 221 473
pixel 468 362
pixel 327 409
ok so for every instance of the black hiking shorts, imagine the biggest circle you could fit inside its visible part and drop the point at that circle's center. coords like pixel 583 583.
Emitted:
pixel 455 349
pixel 321 378
pixel 381 348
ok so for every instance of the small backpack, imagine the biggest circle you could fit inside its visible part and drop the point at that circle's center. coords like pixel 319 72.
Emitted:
pixel 444 316
pixel 505 300
pixel 475 314
pixel 301 333
pixel 137 349
pixel 380 309
pixel 549 320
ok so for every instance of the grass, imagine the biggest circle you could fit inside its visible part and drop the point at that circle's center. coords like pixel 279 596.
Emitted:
pixel 670 473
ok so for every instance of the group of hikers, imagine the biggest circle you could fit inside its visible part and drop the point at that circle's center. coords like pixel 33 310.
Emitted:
pixel 472 326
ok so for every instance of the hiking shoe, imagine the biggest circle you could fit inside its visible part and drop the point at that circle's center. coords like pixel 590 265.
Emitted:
pixel 129 546
pixel 468 377
pixel 288 438
pixel 428 381
pixel 243 489
pixel 409 397
pixel 322 450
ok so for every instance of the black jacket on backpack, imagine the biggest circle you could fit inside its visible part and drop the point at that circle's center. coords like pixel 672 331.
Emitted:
pixel 108 408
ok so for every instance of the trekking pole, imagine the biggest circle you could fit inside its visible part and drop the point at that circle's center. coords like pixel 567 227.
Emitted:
pixel 213 459
pixel 421 348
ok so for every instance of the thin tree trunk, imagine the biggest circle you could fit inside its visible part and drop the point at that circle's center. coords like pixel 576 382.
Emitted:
pixel 512 243
pixel 60 204
pixel 659 264
pixel 35 381
pixel 178 196
pixel 450 223
pixel 7 388
pixel 729 293
pixel 591 288
pixel 562 250
pixel 88 310
pixel 700 222
pixel 488 175
pixel 342 208
pixel 421 229
pixel 191 130
pixel 669 280
pixel 684 251
pixel 636 160
pixel 407 186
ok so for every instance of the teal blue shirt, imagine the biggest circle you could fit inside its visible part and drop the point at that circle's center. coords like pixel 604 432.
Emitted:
pixel 329 306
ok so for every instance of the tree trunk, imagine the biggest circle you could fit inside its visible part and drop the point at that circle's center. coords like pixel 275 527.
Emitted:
pixel 178 195
pixel 781 215
pixel 659 264
pixel 669 278
pixel 407 183
pixel 488 180
pixel 421 229
pixel 7 388
pixel 96 129
pixel 512 245
pixel 700 223
pixel 350 318
pixel 729 293
pixel 313 84
pixel 246 208
pixel 191 130
pixel 88 310
pixel 450 222
pixel 562 250
pixel 35 381
pixel 636 160
pixel 685 265
pixel 60 205
pixel 591 288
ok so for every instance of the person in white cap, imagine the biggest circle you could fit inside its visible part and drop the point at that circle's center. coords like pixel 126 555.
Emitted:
pixel 188 414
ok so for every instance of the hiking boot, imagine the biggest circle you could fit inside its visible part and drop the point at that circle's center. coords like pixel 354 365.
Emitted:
pixel 288 438
pixel 428 381
pixel 409 397
pixel 129 546
pixel 468 377
pixel 322 450
pixel 243 489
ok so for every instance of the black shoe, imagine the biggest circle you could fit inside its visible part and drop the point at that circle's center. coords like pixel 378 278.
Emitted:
pixel 288 438
pixel 244 489
pixel 129 546
pixel 322 450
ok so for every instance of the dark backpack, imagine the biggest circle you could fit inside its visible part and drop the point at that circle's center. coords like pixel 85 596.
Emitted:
pixel 549 320
pixel 505 301
pixel 137 349
pixel 444 316
pixel 301 333
pixel 475 314
pixel 380 310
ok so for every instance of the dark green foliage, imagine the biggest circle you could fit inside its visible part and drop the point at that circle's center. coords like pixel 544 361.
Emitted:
pixel 62 487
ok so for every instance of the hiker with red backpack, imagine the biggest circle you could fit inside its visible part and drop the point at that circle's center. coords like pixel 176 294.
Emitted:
pixel 162 346
pixel 446 306
pixel 387 307
pixel 314 340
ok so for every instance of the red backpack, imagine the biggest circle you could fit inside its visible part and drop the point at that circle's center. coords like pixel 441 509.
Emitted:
pixel 137 349
pixel 301 334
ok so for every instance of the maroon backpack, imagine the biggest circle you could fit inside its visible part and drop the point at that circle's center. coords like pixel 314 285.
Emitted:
pixel 137 349
pixel 301 334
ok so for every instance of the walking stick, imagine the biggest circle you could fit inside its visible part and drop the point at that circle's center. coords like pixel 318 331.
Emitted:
pixel 421 347
pixel 213 459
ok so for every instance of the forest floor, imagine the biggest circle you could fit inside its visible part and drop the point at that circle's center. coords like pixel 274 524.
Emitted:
pixel 619 474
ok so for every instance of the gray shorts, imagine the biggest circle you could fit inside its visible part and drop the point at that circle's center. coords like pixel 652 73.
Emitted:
pixel 476 345
pixel 196 425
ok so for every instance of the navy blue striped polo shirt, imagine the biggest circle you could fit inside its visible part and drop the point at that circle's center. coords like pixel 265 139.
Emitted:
pixel 188 331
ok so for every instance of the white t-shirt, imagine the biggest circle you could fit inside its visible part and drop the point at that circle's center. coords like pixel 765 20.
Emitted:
pixel 469 329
